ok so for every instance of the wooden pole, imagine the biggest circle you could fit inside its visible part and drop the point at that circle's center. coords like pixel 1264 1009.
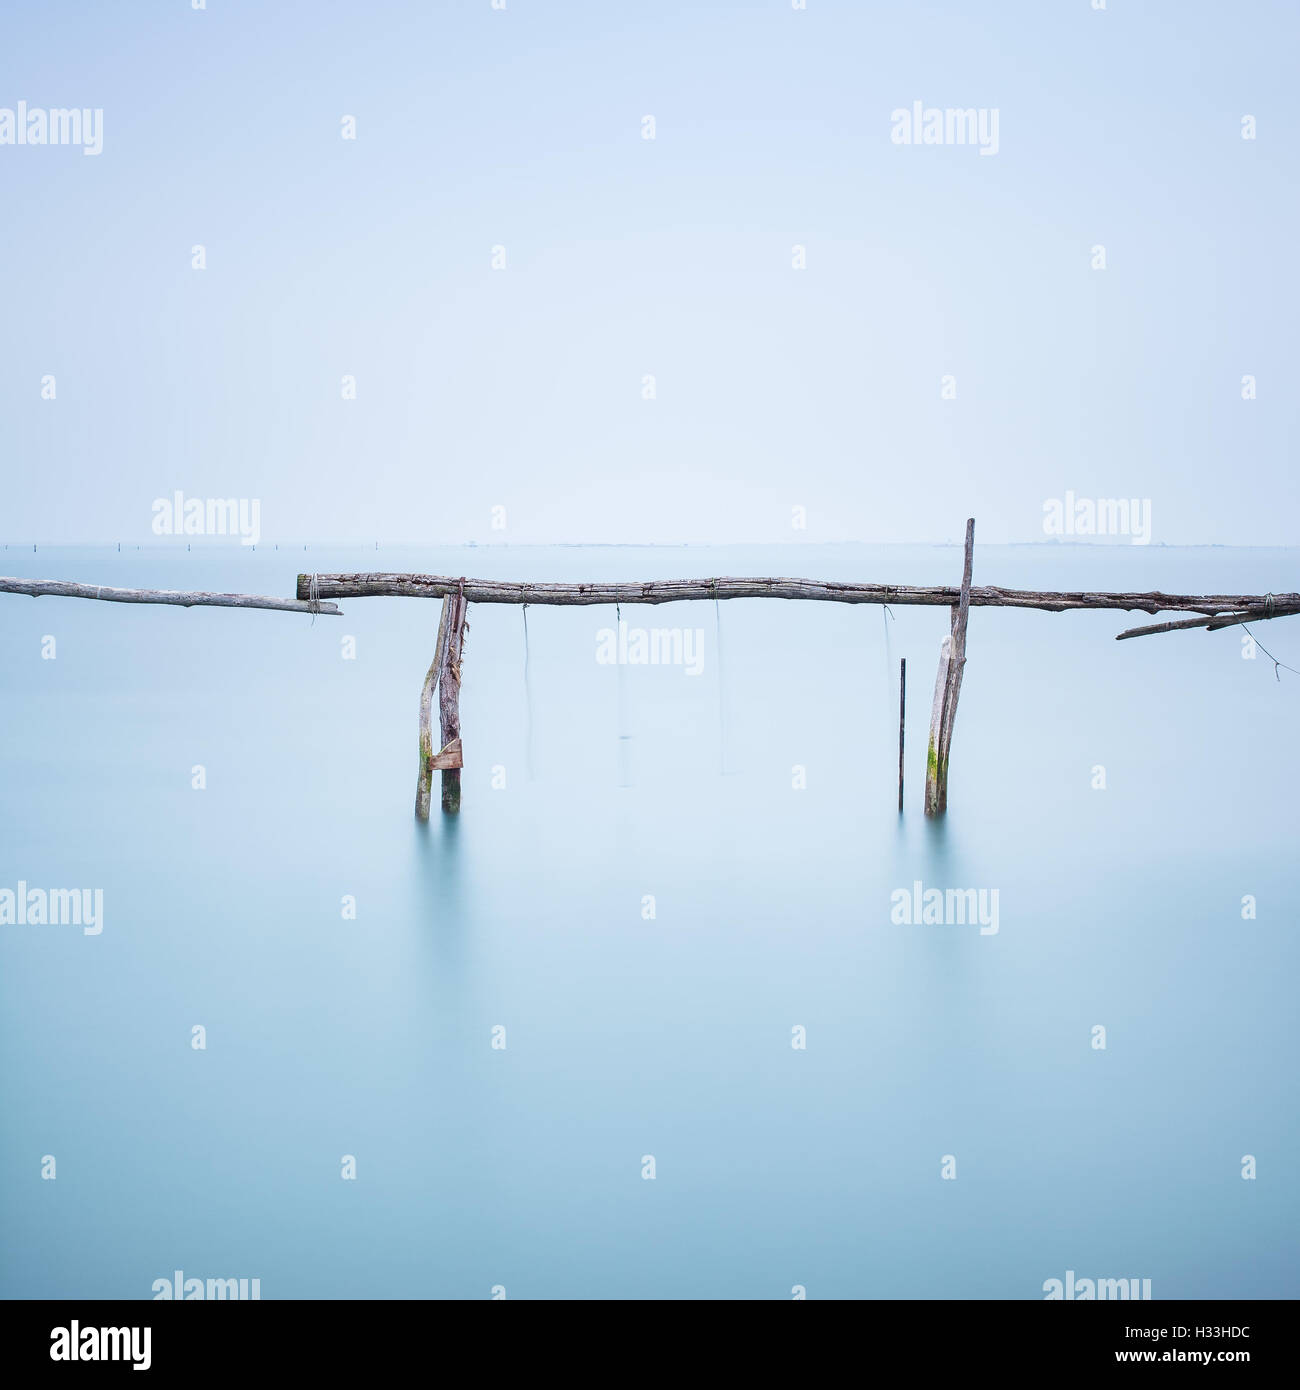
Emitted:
pixel 451 758
pixel 315 592
pixel 653 591
pixel 1215 622
pixel 902 722
pixel 936 728
pixel 959 619
pixel 62 588
pixel 424 783
pixel 945 711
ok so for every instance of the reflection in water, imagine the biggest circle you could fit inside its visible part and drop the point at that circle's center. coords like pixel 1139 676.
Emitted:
pixel 439 904
pixel 441 872
pixel 624 750
pixel 938 833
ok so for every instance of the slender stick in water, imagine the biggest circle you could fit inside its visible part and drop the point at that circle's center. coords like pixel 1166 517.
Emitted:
pixel 902 723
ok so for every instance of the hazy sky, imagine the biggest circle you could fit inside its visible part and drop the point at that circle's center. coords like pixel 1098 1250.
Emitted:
pixel 524 388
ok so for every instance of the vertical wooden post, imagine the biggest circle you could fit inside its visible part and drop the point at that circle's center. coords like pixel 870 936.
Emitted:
pixel 450 759
pixel 936 729
pixel 902 722
pixel 952 661
pixel 424 783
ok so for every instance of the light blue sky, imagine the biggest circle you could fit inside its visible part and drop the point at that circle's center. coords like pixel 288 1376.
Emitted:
pixel 776 388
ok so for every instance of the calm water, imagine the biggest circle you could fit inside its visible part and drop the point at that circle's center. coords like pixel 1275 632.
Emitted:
pixel 629 1037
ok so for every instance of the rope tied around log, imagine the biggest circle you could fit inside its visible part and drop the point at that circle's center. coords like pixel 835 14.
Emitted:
pixel 313 598
pixel 887 617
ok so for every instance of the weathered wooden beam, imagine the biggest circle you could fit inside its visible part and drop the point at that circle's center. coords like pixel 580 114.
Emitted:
pixel 936 783
pixel 424 781
pixel 61 588
pixel 1222 620
pixel 652 591
pixel 336 586
pixel 1215 622
pixel 453 649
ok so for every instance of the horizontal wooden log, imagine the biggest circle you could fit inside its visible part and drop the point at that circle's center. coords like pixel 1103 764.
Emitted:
pixel 655 591
pixel 1215 622
pixel 448 758
pixel 1175 626
pixel 60 588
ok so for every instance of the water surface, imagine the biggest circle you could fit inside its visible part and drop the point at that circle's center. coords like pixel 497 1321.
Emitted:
pixel 756 803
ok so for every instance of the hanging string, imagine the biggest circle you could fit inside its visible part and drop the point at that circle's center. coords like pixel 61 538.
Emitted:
pixel 887 617
pixel 1278 666
pixel 528 703
pixel 722 696
pixel 1270 608
pixel 624 738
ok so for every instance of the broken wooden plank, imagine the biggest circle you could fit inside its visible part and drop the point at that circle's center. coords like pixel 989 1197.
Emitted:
pixel 449 757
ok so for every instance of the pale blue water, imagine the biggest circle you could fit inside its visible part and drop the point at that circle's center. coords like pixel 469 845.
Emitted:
pixel 626 1037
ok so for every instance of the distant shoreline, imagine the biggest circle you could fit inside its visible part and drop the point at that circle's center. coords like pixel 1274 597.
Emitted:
pixel 210 546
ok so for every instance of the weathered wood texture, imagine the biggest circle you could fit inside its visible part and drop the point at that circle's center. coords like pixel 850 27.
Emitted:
pixel 936 727
pixel 453 648
pixel 60 588
pixel 449 757
pixel 424 781
pixel 652 591
pixel 1215 622
pixel 937 759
